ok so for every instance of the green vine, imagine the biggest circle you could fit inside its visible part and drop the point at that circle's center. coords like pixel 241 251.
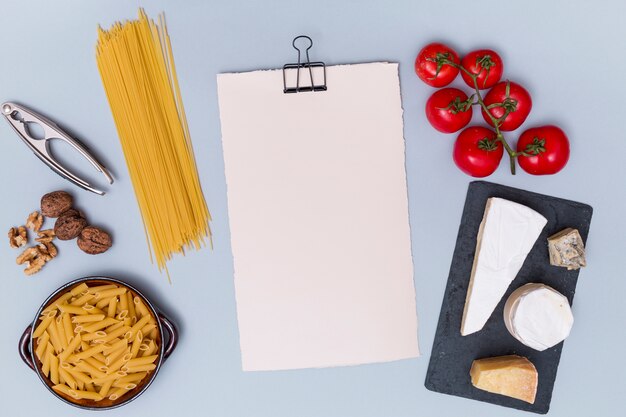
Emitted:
pixel 509 105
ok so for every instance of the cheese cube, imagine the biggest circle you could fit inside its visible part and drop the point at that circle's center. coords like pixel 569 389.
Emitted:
pixel 567 249
pixel 512 375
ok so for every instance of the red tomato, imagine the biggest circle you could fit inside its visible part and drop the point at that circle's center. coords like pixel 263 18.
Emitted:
pixel 477 152
pixel 545 150
pixel 508 97
pixel 486 64
pixel 448 110
pixel 430 68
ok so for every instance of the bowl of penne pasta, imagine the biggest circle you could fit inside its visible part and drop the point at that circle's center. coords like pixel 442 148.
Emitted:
pixel 97 343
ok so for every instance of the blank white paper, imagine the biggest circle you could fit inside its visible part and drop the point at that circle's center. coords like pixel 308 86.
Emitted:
pixel 318 212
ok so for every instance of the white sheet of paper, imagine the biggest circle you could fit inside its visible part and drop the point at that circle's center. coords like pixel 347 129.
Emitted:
pixel 318 210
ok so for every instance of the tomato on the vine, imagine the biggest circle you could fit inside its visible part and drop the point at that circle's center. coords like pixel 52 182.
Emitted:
pixel 431 68
pixel 449 110
pixel 486 65
pixel 477 152
pixel 510 102
pixel 544 150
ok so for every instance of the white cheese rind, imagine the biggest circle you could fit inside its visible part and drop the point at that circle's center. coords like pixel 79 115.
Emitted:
pixel 538 316
pixel 507 233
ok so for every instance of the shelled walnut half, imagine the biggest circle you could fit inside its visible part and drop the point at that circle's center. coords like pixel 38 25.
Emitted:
pixel 34 221
pixel 44 236
pixel 34 259
pixel 17 237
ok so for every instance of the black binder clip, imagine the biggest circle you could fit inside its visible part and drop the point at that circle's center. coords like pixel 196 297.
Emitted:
pixel 306 65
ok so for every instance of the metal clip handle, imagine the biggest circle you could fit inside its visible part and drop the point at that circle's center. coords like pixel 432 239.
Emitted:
pixel 307 65
pixel 41 147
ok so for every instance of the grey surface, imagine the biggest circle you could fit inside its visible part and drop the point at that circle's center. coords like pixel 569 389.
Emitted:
pixel 570 56
pixel 453 354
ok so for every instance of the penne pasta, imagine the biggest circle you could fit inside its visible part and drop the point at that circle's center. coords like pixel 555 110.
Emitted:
pixel 111 377
pixel 68 329
pixel 134 350
pixel 80 376
pixel 90 354
pixel 109 293
pixel 104 303
pixel 120 332
pixel 82 300
pixel 65 390
pixel 131 305
pixel 97 364
pixel 54 336
pixel 42 342
pixel 90 369
pixel 140 307
pixel 117 393
pixel 151 348
pixel 93 309
pixel 54 368
pixel 100 288
pixel 88 318
pixel 45 322
pixel 55 304
pixel 88 395
pixel 79 289
pixel 66 308
pixel 154 334
pixel 94 336
pixel 137 326
pixel 123 304
pixel 115 366
pixel 112 307
pixel 139 368
pixel 114 356
pixel 67 378
pixel 142 361
pixel 99 356
pixel 121 344
pixel 45 366
pixel 115 326
pixel 100 325
pixel 121 382
pixel 106 386
pixel 71 347
pixel 61 331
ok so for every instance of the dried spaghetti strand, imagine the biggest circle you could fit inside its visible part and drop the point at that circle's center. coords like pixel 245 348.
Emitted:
pixel 138 73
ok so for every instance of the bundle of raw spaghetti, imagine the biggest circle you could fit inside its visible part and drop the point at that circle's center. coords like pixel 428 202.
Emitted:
pixel 138 73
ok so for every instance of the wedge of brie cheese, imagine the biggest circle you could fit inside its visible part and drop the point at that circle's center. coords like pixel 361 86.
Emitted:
pixel 538 316
pixel 507 233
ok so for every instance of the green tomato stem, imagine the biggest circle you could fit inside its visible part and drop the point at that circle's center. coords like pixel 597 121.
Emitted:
pixel 496 122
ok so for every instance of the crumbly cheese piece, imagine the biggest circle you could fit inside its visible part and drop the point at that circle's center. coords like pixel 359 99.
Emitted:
pixel 567 249
pixel 507 233
pixel 538 316
pixel 513 376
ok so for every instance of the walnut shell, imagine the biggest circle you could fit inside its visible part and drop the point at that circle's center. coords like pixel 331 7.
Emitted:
pixel 69 225
pixel 55 203
pixel 93 240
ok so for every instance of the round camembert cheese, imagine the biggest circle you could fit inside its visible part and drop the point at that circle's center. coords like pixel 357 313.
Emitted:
pixel 538 316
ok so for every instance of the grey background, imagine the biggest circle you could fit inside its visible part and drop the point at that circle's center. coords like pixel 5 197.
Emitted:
pixel 570 56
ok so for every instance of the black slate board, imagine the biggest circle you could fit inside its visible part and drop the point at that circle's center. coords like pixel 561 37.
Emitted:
pixel 452 354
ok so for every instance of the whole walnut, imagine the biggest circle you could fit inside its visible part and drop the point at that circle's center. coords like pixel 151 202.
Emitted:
pixel 55 203
pixel 69 224
pixel 93 240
